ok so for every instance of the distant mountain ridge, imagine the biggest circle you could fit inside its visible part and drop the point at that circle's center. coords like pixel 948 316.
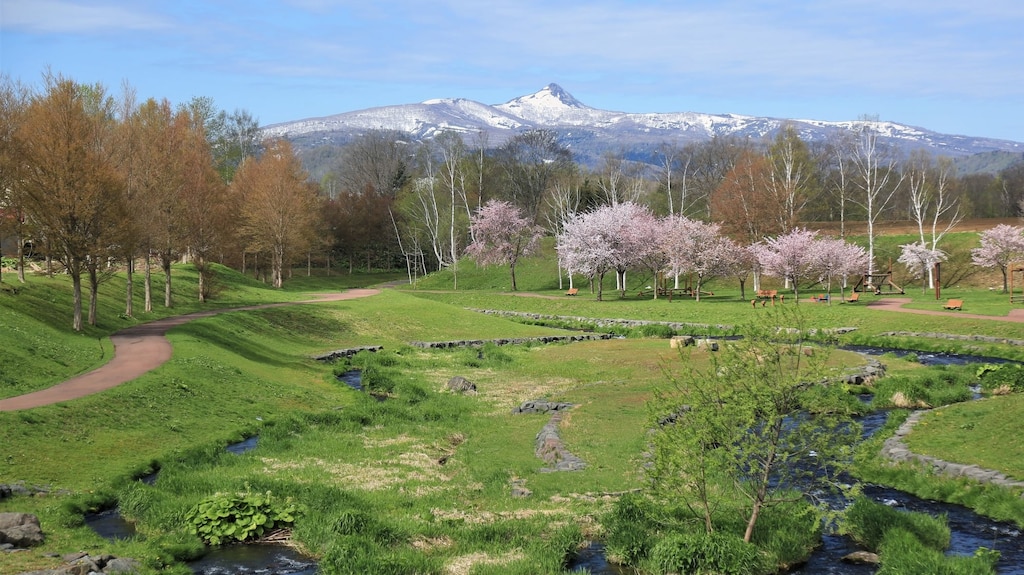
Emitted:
pixel 590 132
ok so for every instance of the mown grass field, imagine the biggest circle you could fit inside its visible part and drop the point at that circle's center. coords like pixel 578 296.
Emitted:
pixel 344 454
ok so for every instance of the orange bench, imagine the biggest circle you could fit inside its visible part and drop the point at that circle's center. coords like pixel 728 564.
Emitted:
pixel 854 297
pixel 954 304
pixel 573 291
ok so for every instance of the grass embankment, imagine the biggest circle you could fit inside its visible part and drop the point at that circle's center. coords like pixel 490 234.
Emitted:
pixel 40 349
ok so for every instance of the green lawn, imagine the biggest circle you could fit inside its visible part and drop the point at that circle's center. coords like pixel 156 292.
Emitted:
pixel 435 469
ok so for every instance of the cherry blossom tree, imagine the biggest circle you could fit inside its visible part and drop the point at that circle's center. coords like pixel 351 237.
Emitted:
pixel 790 257
pixel 635 230
pixel 599 241
pixel 582 249
pixel 698 248
pixel 920 260
pixel 1000 246
pixel 502 236
pixel 833 258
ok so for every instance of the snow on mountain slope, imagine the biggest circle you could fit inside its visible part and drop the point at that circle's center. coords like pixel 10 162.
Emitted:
pixel 592 130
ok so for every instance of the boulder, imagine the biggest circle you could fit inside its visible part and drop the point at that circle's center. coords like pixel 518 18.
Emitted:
pixel 681 341
pixel 20 529
pixel 861 558
pixel 459 384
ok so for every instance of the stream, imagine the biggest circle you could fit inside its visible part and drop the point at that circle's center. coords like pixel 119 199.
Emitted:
pixel 969 531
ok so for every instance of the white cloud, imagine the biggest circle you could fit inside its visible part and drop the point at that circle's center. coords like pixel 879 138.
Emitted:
pixel 66 16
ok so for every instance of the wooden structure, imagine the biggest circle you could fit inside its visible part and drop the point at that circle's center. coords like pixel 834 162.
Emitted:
pixel 662 290
pixel 1016 269
pixel 573 291
pixel 956 304
pixel 879 284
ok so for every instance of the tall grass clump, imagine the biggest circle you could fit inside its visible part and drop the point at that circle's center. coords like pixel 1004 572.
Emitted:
pixel 902 552
pixel 868 522
pixel 701 552
pixel 931 387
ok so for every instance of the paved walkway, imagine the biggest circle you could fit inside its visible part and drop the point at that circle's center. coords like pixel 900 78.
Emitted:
pixel 897 303
pixel 140 349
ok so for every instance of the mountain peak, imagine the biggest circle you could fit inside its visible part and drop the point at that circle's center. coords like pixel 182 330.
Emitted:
pixel 549 103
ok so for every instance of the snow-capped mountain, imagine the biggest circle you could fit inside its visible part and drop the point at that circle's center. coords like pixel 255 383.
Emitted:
pixel 589 132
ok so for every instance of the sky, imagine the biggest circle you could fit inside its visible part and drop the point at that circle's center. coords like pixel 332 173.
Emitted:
pixel 950 66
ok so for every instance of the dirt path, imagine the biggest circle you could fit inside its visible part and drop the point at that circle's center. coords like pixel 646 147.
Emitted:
pixel 140 349
pixel 897 303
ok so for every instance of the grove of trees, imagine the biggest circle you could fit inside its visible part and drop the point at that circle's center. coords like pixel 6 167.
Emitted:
pixel 95 181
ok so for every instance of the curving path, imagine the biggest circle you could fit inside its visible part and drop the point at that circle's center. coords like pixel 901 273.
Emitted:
pixel 140 349
pixel 897 303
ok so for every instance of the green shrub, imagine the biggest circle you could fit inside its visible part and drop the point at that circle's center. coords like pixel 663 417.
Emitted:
pixel 245 516
pixel 788 533
pixel 630 526
pixel 901 552
pixel 1010 375
pixel 868 522
pixel 702 552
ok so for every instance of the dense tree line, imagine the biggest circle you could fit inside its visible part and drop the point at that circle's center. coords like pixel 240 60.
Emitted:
pixel 431 191
pixel 98 183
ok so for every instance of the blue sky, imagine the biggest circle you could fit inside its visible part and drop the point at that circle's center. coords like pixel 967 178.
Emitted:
pixel 949 66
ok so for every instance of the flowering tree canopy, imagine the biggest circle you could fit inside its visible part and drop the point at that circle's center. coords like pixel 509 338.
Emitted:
pixel 609 238
pixel 699 248
pixel 1000 246
pixel 502 236
pixel 835 258
pixel 790 256
pixel 919 258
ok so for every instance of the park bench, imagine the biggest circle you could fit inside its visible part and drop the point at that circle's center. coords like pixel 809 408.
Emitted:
pixel 573 291
pixel 765 295
pixel 854 297
pixel 954 304
pixel 820 298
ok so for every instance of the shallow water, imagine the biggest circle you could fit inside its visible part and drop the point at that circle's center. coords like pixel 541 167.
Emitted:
pixel 110 525
pixel 254 560
pixel 243 446
pixel 352 378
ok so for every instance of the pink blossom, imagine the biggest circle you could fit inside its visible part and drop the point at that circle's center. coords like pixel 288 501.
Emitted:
pixel 1000 246
pixel 502 236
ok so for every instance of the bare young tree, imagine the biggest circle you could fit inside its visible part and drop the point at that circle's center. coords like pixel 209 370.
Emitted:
pixel 932 202
pixel 876 178
pixel 790 177
pixel 530 162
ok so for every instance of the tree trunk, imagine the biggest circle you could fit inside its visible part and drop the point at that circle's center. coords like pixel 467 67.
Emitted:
pixel 94 288
pixel 21 259
pixel 76 294
pixel 148 284
pixel 166 262
pixel 129 287
pixel 512 269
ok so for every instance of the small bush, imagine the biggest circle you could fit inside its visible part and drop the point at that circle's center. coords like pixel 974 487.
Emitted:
pixel 1010 375
pixel 702 552
pixel 868 522
pixel 245 516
